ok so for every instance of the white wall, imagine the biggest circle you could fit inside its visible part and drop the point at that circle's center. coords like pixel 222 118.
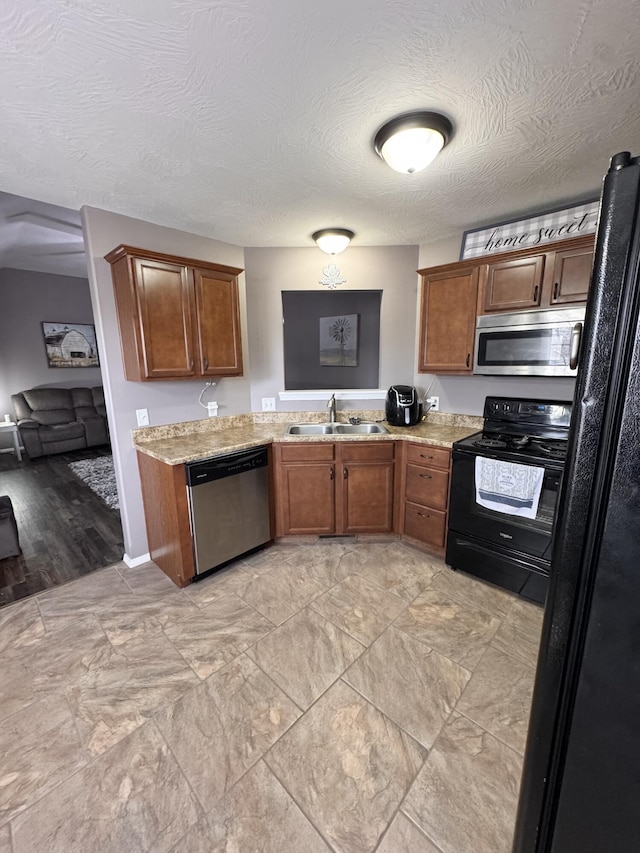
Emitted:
pixel 465 395
pixel 28 299
pixel 391 269
pixel 167 402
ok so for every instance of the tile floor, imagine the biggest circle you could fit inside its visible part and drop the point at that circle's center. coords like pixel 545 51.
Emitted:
pixel 343 697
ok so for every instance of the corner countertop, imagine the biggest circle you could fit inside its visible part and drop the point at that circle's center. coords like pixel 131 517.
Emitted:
pixel 190 441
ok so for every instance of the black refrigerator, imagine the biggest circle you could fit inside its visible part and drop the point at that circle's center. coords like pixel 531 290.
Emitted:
pixel 580 789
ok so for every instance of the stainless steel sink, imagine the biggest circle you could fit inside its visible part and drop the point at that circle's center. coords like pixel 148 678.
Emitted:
pixel 335 429
pixel 358 429
pixel 310 429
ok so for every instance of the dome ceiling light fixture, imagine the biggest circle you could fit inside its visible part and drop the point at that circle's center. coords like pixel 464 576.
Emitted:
pixel 409 142
pixel 333 240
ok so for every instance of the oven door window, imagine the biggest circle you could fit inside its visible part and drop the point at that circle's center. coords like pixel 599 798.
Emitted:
pixel 526 347
pixel 527 535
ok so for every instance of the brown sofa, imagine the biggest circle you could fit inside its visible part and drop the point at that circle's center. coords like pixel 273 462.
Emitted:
pixel 55 420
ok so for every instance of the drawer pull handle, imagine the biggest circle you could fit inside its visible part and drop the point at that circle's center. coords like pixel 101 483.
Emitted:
pixel 424 515
pixel 426 476
pixel 424 456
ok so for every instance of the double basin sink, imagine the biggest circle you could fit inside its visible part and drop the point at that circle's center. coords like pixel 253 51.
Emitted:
pixel 336 429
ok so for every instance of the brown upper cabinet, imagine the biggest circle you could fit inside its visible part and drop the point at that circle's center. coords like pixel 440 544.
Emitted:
pixel 531 278
pixel 178 318
pixel 448 318
pixel 453 295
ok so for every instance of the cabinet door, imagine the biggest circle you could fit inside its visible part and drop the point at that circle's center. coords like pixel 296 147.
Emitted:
pixel 366 504
pixel 512 285
pixel 218 323
pixel 305 498
pixel 448 321
pixel 164 295
pixel 571 276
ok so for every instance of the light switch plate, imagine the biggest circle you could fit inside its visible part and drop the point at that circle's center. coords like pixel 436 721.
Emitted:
pixel 142 416
pixel 268 404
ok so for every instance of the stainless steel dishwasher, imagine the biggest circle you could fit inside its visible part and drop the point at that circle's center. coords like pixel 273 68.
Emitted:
pixel 229 506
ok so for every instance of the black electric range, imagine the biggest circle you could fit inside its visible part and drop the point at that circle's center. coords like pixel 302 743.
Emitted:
pixel 492 540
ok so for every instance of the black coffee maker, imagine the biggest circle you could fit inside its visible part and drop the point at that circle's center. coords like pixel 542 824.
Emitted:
pixel 402 407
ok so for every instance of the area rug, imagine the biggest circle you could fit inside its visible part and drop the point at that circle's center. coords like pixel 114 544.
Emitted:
pixel 99 475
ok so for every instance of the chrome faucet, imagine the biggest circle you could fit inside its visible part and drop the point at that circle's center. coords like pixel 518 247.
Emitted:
pixel 331 405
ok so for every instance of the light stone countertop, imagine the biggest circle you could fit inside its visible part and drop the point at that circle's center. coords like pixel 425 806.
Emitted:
pixel 176 444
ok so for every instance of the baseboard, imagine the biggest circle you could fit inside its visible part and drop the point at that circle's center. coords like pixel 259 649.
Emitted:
pixel 132 562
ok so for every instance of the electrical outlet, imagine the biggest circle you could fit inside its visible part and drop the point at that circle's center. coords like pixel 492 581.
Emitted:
pixel 212 409
pixel 433 404
pixel 268 404
pixel 142 416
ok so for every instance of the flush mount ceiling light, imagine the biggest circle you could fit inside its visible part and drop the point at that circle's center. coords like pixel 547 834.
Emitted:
pixel 411 141
pixel 333 240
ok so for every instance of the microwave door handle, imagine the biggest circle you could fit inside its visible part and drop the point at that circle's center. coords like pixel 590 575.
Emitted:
pixel 576 335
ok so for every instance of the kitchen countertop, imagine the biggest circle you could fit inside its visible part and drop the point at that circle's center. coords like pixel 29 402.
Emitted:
pixel 176 444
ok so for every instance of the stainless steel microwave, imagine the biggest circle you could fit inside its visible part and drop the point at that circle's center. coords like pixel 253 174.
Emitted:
pixel 529 343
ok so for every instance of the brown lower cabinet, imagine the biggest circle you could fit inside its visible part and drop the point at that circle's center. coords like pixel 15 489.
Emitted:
pixel 334 487
pixel 318 488
pixel 166 515
pixel 426 494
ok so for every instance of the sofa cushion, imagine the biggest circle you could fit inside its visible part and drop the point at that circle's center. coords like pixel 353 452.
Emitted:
pixel 61 432
pixel 50 405
pixel 97 392
pixel 83 403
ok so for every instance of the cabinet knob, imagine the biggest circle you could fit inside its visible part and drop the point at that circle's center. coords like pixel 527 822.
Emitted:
pixel 426 476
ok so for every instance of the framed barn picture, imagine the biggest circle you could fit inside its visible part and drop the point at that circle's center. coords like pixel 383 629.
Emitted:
pixel 70 344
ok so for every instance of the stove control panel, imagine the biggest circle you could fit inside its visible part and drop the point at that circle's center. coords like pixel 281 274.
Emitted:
pixel 551 412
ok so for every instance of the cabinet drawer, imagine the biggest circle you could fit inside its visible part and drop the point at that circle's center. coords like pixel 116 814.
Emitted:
pixel 427 525
pixel 428 454
pixel 307 452
pixel 427 486
pixel 361 451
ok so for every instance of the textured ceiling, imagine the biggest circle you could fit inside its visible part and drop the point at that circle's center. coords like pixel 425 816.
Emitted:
pixel 250 121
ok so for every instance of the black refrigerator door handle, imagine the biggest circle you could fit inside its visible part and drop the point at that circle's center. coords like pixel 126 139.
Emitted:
pixel 576 335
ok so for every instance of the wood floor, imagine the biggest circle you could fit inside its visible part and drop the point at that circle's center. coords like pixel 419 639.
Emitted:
pixel 65 529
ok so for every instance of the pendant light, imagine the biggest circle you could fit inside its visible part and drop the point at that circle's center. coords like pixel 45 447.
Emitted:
pixel 333 240
pixel 409 142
